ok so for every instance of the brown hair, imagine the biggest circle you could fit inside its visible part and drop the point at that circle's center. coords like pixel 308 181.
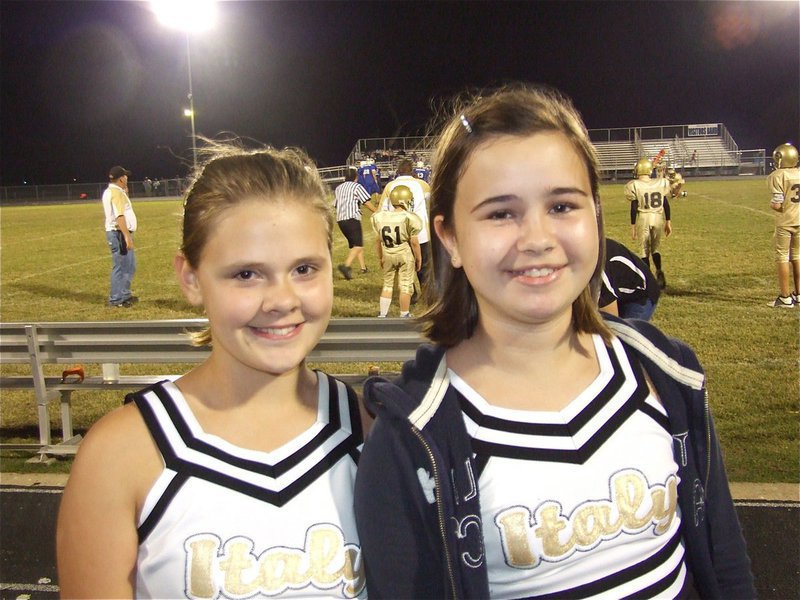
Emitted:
pixel 514 110
pixel 233 175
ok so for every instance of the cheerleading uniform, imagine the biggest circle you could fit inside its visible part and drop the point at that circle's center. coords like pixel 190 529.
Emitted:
pixel 455 498
pixel 227 522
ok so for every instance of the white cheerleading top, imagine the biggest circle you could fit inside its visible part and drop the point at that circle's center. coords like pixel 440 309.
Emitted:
pixel 227 522
pixel 581 502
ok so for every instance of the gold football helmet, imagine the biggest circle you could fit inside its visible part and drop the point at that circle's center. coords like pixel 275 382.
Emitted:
pixel 644 166
pixel 401 195
pixel 785 156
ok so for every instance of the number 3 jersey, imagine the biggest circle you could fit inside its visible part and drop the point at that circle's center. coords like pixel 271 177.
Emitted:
pixel 226 522
pixel 784 186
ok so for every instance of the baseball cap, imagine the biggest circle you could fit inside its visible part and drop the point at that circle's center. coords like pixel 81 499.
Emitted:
pixel 117 172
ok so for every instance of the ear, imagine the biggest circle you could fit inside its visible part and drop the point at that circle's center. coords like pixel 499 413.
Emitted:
pixel 187 278
pixel 448 239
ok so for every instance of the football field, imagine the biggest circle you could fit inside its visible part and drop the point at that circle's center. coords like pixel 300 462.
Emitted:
pixel 54 266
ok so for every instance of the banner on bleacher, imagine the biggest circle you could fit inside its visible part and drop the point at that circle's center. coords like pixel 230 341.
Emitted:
pixel 702 130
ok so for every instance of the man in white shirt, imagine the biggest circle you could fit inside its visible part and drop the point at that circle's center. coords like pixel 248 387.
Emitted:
pixel 120 223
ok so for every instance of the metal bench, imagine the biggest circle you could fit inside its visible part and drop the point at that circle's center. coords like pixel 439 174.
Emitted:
pixel 112 343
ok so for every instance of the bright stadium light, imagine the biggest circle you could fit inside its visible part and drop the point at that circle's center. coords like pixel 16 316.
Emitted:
pixel 187 15
pixel 190 16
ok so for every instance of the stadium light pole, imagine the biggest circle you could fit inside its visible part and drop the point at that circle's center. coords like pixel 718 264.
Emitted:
pixel 190 16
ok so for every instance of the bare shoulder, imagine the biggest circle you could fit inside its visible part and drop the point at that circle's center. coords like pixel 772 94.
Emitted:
pixel 117 454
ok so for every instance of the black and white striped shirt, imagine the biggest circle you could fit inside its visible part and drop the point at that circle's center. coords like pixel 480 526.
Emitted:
pixel 350 195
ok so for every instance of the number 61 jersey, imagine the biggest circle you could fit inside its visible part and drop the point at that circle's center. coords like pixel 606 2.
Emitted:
pixel 650 193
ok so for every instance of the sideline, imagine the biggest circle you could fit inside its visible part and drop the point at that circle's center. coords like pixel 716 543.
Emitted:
pixel 771 492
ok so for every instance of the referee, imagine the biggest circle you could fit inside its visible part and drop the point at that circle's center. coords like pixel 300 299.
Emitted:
pixel 349 196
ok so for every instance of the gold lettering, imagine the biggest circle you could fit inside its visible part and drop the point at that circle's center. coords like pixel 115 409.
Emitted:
pixel 665 504
pixel 237 560
pixel 281 568
pixel 629 496
pixel 514 526
pixel 354 575
pixel 551 524
pixel 590 522
pixel 201 552
pixel 324 562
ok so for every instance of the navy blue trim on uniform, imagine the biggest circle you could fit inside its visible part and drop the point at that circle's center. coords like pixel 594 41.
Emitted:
pixel 548 429
pixel 626 575
pixel 185 469
pixel 161 506
pixel 580 455
pixel 274 471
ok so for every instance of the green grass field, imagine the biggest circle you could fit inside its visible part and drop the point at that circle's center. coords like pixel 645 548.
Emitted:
pixel 55 265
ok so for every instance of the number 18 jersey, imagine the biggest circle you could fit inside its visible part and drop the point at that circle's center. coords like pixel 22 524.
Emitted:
pixel 650 194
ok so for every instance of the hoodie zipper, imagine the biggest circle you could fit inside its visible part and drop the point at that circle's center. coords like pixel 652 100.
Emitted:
pixel 707 412
pixel 439 509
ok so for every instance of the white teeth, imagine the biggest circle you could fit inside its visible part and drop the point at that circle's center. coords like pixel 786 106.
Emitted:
pixel 277 330
pixel 538 272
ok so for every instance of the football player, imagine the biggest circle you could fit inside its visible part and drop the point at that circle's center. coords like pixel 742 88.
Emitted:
pixel 367 177
pixel 422 172
pixel 397 245
pixel 676 183
pixel 419 206
pixel 784 186
pixel 650 213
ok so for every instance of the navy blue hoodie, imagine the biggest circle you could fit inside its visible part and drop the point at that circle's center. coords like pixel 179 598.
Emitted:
pixel 418 505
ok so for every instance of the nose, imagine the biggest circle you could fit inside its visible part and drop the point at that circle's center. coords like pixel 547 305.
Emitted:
pixel 535 234
pixel 280 296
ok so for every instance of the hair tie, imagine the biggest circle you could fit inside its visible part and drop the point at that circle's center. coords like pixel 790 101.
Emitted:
pixel 466 124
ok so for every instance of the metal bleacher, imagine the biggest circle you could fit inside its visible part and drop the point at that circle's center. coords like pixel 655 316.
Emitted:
pixel 696 150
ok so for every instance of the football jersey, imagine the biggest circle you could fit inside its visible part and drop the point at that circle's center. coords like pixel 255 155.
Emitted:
pixel 227 522
pixel 580 502
pixel 367 178
pixel 422 173
pixel 395 229
pixel 421 192
pixel 650 194
pixel 784 186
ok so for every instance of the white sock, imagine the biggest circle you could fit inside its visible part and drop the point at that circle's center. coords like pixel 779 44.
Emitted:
pixel 385 304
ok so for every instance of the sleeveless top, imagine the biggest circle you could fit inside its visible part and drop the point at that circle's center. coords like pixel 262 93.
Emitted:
pixel 580 502
pixel 227 522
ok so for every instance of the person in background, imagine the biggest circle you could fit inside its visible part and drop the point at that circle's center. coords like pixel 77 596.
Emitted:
pixel 629 289
pixel 233 479
pixel 120 225
pixel 650 214
pixel 367 177
pixel 422 172
pixel 397 245
pixel 537 449
pixel 419 206
pixel 348 199
pixel 784 187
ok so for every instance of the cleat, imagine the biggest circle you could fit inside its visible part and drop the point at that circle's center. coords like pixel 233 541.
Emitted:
pixel 365 270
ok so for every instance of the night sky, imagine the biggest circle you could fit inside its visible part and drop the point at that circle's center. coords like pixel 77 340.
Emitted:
pixel 86 85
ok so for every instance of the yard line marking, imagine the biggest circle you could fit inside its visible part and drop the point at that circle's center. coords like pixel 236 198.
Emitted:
pixel 32 490
pixel 768 504
pixel 758 211
pixel 70 266
pixel 29 587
